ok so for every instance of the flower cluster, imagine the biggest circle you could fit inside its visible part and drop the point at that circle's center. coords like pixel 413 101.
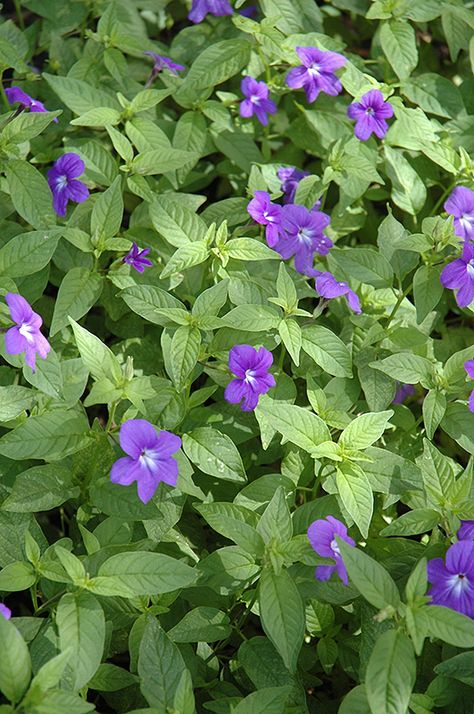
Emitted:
pixel 452 579
pixel 459 274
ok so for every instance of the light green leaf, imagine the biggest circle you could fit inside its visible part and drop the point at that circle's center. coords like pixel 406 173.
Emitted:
pixel 290 333
pixel 141 573
pixel 15 662
pixel 282 615
pixel 327 350
pixel 391 673
pixel 370 578
pixel 202 624
pixel 450 626
pixel 184 352
pixel 407 368
pixel 51 436
pixel 79 291
pixel 398 42
pixel 408 189
pixel 107 213
pixel 28 252
pixel 214 453
pixel 365 430
pixel 176 222
pixel 186 257
pixel 100 116
pixel 355 492
pixel 419 520
pixel 99 359
pixel 30 194
pixel 295 424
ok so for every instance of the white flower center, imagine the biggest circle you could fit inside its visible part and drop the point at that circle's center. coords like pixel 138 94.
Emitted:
pixel 148 457
pixel 61 181
pixel 304 236
pixel 254 99
pixel 270 219
pixel 250 376
pixel 470 268
pixel 458 583
pixel 27 331
pixel 335 547
pixel 314 70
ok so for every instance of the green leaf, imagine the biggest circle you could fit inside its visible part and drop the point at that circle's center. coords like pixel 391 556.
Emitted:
pixel 460 667
pixel 15 662
pixel 293 15
pixel 391 673
pixel 176 222
pixel 427 291
pixel 184 352
pixel 419 520
pixel 406 367
pixel 160 667
pixel 450 626
pixel 81 626
pixel 214 453
pixel 141 573
pixel 254 318
pixel 290 333
pixel 160 161
pixel 18 576
pixel 214 65
pixel 107 213
pixel 355 493
pixel 435 94
pixel 295 424
pixel 99 359
pixel 270 700
pixel 408 190
pixel 240 148
pixel 110 678
pixel 458 24
pixel 148 300
pixel 286 288
pixel 51 436
pixel 79 291
pixel 202 624
pixel 190 134
pixel 459 425
pixel 364 264
pixel 80 96
pixel 234 522
pixel 365 430
pixel 282 615
pixel 28 252
pixel 275 522
pixel 100 116
pixel 186 257
pixel 30 194
pixel 40 488
pixel 434 408
pixel 370 578
pixel 398 42
pixel 249 249
pixel 327 350
pixel 15 400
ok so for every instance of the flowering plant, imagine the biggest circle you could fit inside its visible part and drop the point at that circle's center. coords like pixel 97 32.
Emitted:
pixel 237 377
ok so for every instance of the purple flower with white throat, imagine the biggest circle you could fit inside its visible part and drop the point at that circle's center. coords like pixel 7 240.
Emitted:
pixel 15 94
pixel 370 115
pixel 290 177
pixel 322 536
pixel 460 204
pixel 266 213
pixel 328 287
pixel 5 611
pixel 64 184
pixel 466 530
pixel 316 74
pixel 136 258
pixel 452 580
pixel 161 62
pixel 250 367
pixel 256 100
pixel 150 458
pixel 302 236
pixel 201 8
pixel 459 275
pixel 469 367
pixel 25 336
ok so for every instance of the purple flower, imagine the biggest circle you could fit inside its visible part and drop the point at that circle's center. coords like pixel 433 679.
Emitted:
pixel 322 536
pixel 250 366
pixel 5 611
pixel 370 114
pixel 266 213
pixel 136 258
pixel 250 11
pixel 452 580
pixel 201 8
pixel 469 367
pixel 25 336
pixel 15 94
pixel 460 275
pixel 316 74
pixel 403 391
pixel 257 101
pixel 301 234
pixel 62 180
pixel 149 459
pixel 290 177
pixel 460 204
pixel 161 62
pixel 328 287
pixel 466 530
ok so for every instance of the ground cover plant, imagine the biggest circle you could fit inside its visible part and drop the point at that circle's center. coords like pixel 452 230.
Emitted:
pixel 237 378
